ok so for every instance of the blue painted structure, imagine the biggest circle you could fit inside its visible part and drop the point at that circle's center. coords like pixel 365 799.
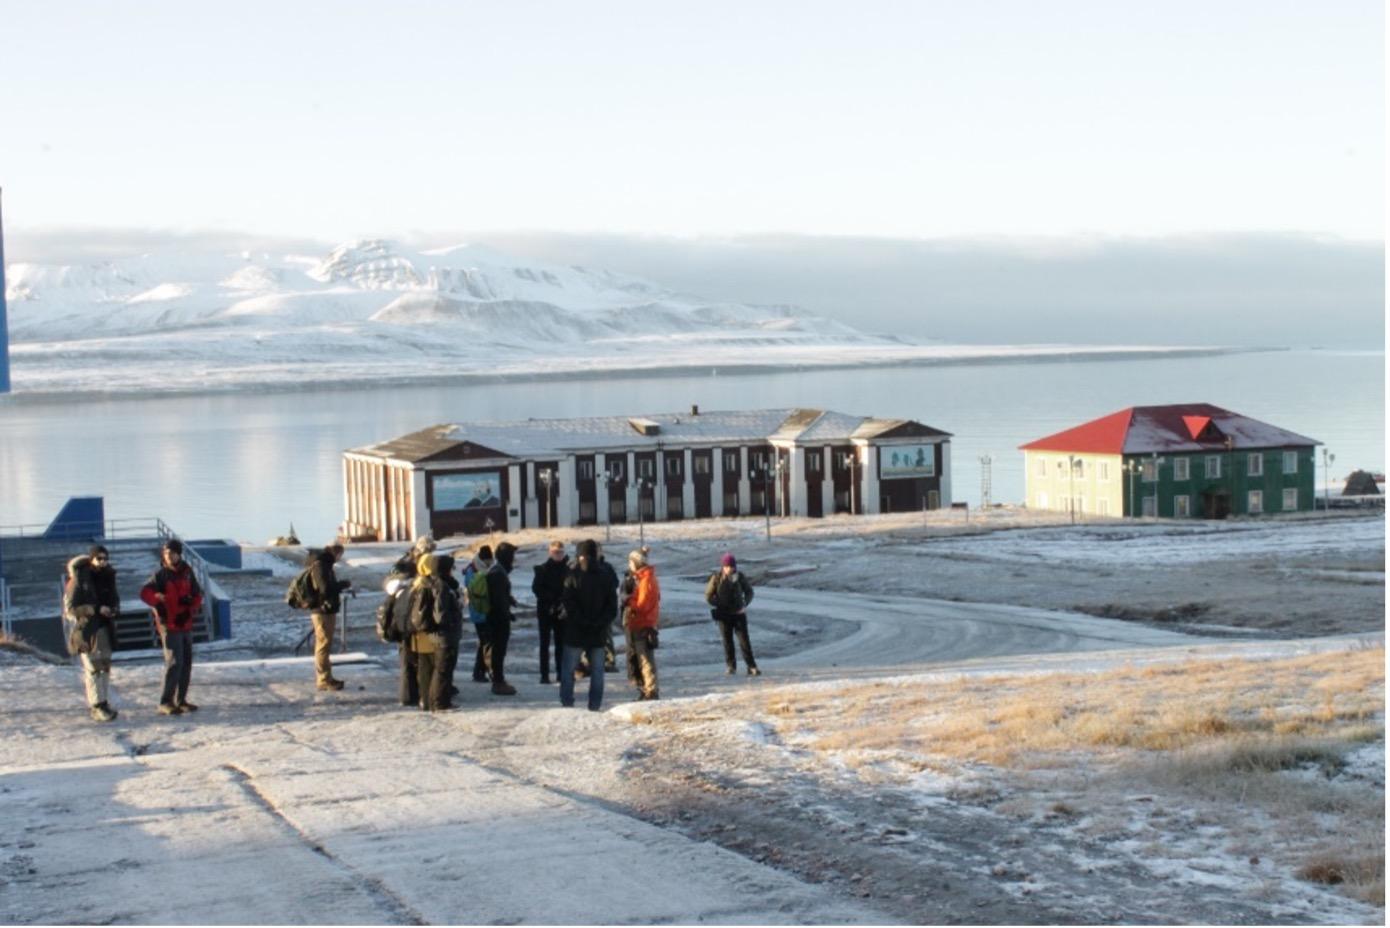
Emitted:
pixel 217 551
pixel 81 518
pixel 4 321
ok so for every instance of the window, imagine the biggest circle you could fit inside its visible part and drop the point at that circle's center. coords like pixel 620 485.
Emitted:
pixel 1078 468
pixel 1182 507
pixel 615 470
pixel 1290 462
pixel 813 462
pixel 587 512
pixel 1103 471
pixel 1149 508
pixel 1290 500
pixel 757 462
pixel 1181 468
pixel 1042 500
pixel 843 460
pixel 647 507
pixel 673 465
pixel 1255 503
pixel 1213 467
pixel 1079 504
pixel 1150 470
pixel 702 463
pixel 674 509
pixel 586 470
pixel 842 500
pixel 1103 506
pixel 1041 469
pixel 730 462
pixel 731 502
pixel 646 467
pixel 1254 465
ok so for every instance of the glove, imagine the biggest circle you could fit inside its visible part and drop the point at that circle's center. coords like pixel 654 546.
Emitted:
pixel 653 641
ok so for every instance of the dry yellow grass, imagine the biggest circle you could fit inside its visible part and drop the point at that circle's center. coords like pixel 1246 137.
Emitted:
pixel 1022 720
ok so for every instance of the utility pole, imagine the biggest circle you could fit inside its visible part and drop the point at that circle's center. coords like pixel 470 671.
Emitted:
pixel 986 480
pixel 1071 468
pixel 1327 459
pixel 4 323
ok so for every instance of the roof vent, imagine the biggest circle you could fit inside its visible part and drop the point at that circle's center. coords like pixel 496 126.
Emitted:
pixel 645 426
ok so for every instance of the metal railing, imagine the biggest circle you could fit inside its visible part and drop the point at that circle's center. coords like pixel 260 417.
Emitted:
pixel 105 529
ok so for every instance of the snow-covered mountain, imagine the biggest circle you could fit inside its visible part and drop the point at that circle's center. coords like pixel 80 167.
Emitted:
pixel 372 311
pixel 376 288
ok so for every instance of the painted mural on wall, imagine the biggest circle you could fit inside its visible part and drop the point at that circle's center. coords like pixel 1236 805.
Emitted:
pixel 468 491
pixel 907 461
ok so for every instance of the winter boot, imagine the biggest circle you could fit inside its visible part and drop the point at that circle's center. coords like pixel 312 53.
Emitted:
pixel 503 688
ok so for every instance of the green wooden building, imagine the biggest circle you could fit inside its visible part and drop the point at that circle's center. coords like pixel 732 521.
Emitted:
pixel 1192 460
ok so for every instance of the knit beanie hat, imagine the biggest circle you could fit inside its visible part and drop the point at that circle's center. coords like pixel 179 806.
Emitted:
pixel 588 548
pixel 728 561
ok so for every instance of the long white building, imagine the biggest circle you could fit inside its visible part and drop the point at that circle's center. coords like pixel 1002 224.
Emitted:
pixel 473 478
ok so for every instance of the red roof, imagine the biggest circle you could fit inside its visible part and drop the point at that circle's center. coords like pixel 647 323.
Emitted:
pixel 1105 435
pixel 1153 429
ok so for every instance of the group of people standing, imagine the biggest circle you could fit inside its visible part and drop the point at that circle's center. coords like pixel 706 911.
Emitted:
pixel 427 599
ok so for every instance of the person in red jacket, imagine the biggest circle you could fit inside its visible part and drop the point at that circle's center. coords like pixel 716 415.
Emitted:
pixel 641 616
pixel 174 596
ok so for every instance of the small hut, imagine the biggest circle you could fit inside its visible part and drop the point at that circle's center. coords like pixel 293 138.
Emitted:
pixel 1361 483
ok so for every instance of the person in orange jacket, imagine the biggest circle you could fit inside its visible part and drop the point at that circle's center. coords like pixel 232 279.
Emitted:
pixel 174 596
pixel 641 617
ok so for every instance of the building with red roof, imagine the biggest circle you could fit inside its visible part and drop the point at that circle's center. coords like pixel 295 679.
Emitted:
pixel 1190 460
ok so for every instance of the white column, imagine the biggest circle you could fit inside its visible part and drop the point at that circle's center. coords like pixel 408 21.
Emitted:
pixel 532 507
pixel 633 498
pixel 869 483
pixel 827 484
pixel 601 489
pixel 716 487
pixel 796 461
pixel 946 498
pixel 419 511
pixel 744 497
pixel 659 503
pixel 513 498
pixel 568 504
pixel 688 488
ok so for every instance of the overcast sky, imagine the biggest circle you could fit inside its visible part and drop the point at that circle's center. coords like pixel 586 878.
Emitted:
pixel 950 156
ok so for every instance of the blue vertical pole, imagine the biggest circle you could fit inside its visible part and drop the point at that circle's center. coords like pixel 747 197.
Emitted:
pixel 4 322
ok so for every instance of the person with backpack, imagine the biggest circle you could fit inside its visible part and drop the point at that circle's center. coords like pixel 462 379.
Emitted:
pixel 436 620
pixel 326 597
pixel 496 630
pixel 174 598
pixel 641 617
pixel 587 603
pixel 728 594
pixel 549 585
pixel 393 615
pixel 476 599
pixel 92 602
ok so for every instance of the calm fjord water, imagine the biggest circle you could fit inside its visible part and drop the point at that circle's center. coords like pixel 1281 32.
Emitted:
pixel 246 465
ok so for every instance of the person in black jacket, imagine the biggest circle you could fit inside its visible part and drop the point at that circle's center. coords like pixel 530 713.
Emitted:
pixel 548 586
pixel 402 574
pixel 728 593
pixel 92 601
pixel 610 653
pixel 328 594
pixel 436 617
pixel 589 602
pixel 497 630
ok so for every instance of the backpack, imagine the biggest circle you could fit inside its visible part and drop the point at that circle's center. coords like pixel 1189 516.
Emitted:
pixel 301 594
pixel 392 620
pixel 479 602
pixel 422 620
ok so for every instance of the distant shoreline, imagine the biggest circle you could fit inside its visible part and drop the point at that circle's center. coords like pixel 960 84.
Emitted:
pixel 311 384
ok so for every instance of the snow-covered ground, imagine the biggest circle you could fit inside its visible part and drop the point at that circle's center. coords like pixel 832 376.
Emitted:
pixel 374 311
pixel 349 808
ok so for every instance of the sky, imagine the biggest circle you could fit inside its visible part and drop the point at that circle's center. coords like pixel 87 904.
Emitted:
pixel 1009 150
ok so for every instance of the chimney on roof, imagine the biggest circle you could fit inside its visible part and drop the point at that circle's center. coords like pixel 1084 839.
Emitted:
pixel 694 410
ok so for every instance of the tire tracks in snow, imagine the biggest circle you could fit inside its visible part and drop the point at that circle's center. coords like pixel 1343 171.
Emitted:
pixel 403 911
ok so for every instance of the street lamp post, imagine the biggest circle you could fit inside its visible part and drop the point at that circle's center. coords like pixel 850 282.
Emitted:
pixel 608 501
pixel 1071 469
pixel 1327 459
pixel 1131 469
pixel 643 484
pixel 547 477
pixel 1156 462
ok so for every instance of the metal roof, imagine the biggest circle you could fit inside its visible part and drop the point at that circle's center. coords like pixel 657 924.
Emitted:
pixel 540 438
pixel 1182 427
